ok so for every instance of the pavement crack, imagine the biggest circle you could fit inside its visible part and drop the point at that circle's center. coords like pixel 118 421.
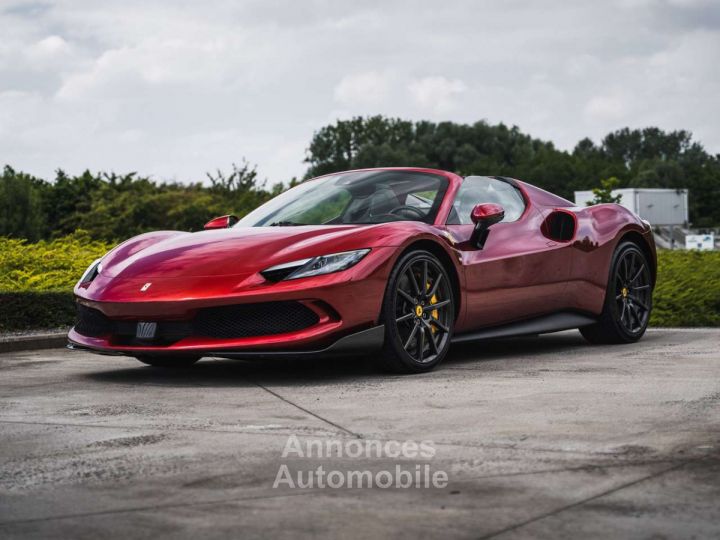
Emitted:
pixel 581 502
pixel 152 507
pixel 307 411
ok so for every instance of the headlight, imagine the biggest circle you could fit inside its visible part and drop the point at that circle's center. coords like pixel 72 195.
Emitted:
pixel 324 264
pixel 92 271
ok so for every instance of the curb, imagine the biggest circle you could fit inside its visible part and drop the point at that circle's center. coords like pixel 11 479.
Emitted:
pixel 51 340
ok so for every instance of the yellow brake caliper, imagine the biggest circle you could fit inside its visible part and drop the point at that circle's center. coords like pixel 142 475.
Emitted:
pixel 434 313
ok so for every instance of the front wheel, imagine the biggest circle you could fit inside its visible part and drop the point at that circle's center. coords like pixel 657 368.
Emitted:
pixel 168 361
pixel 628 299
pixel 419 313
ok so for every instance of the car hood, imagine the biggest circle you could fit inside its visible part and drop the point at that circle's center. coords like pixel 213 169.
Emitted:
pixel 236 251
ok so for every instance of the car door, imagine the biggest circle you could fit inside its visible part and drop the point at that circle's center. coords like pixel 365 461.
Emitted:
pixel 519 273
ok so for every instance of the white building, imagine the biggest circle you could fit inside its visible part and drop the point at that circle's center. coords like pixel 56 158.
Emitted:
pixel 658 206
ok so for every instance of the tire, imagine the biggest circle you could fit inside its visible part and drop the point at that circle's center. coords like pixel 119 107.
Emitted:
pixel 418 321
pixel 168 361
pixel 628 299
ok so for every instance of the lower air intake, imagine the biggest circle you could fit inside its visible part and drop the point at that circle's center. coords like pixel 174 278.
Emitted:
pixel 247 320
pixel 92 323
pixel 226 322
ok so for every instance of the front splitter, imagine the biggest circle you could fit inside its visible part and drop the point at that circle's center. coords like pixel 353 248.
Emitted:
pixel 365 341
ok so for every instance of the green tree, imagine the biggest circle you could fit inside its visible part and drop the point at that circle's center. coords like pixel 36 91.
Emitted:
pixel 648 157
pixel 67 199
pixel 112 206
pixel 603 194
pixel 21 211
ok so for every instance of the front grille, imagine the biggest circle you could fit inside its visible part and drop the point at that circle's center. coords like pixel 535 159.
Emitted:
pixel 92 323
pixel 225 322
pixel 247 320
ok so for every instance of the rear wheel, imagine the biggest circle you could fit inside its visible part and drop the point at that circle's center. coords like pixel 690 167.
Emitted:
pixel 168 361
pixel 628 300
pixel 419 314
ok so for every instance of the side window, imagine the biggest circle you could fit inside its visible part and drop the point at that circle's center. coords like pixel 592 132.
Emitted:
pixel 483 189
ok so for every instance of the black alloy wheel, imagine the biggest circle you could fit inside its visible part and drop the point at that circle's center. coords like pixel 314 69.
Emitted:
pixel 628 299
pixel 633 291
pixel 418 313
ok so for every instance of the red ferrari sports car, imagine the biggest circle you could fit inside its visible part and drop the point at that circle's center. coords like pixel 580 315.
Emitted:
pixel 403 261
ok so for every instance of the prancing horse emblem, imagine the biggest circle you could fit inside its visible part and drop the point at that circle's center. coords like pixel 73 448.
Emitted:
pixel 145 287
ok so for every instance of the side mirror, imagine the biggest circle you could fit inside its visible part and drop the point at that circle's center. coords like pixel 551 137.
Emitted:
pixel 222 222
pixel 483 216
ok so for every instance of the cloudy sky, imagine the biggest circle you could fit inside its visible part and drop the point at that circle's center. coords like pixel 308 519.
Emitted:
pixel 173 88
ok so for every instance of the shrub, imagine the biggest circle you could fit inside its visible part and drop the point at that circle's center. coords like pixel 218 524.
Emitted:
pixel 54 265
pixel 36 309
pixel 688 289
pixel 36 279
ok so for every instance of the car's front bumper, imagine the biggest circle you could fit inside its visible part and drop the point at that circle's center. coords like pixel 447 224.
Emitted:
pixel 344 304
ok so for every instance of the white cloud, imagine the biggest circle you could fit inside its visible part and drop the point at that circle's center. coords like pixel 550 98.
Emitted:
pixel 176 88
pixel 606 107
pixel 436 94
pixel 367 88
pixel 50 46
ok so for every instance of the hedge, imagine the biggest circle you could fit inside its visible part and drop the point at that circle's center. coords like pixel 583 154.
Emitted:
pixel 36 281
pixel 35 310
pixel 48 265
pixel 688 289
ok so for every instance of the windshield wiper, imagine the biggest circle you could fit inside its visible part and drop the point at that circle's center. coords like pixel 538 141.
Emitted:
pixel 283 224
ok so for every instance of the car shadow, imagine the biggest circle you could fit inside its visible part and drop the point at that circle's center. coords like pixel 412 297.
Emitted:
pixel 218 372
pixel 507 348
pixel 223 372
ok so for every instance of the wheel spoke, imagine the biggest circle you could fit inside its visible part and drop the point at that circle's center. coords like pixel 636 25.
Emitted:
pixel 440 325
pixel 414 281
pixel 622 313
pixel 636 314
pixel 642 267
pixel 631 266
pixel 410 338
pixel 405 317
pixel 434 289
pixel 430 336
pixel 425 277
pixel 421 349
pixel 437 305
pixel 641 287
pixel 619 296
pixel 406 296
pixel 639 302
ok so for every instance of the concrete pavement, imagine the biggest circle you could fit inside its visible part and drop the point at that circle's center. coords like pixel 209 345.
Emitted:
pixel 545 437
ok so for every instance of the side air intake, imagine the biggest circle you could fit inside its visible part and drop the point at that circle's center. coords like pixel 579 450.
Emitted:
pixel 559 226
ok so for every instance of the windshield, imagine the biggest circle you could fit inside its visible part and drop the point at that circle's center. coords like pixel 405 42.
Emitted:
pixel 354 198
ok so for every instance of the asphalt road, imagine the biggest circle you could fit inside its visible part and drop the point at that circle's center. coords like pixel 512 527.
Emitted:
pixel 545 437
